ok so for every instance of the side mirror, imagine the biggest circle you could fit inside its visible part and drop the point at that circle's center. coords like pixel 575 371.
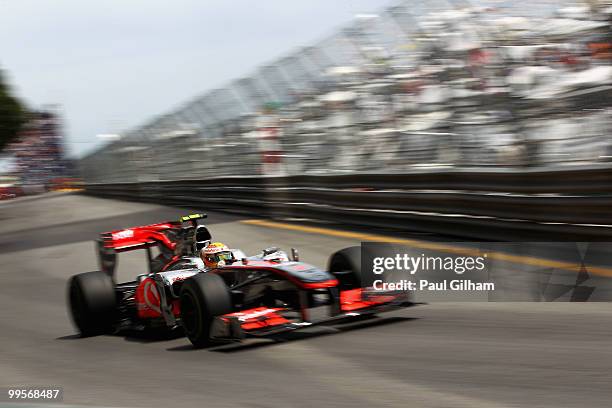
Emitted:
pixel 269 251
pixel 295 255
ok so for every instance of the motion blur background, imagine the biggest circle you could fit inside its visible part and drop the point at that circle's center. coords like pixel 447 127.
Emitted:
pixel 429 84
pixel 420 121
pixel 433 87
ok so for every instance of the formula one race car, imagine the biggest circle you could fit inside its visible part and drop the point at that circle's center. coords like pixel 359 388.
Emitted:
pixel 246 296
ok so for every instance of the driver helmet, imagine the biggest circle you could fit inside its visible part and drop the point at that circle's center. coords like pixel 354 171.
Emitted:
pixel 216 254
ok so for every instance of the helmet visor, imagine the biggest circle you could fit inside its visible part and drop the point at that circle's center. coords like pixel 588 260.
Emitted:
pixel 220 256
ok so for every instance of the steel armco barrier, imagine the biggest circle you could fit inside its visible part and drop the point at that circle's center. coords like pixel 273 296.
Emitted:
pixel 571 205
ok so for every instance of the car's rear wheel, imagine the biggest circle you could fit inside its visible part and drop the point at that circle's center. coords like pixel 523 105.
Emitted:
pixel 345 265
pixel 203 297
pixel 93 302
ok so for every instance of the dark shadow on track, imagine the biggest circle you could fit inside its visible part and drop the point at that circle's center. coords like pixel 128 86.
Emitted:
pixel 293 336
pixel 70 337
pixel 151 336
pixel 137 336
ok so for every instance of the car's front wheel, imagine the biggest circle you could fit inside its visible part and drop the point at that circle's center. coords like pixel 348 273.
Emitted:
pixel 203 297
pixel 345 265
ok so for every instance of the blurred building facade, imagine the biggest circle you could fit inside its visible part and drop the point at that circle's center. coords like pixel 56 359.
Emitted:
pixel 38 153
pixel 430 85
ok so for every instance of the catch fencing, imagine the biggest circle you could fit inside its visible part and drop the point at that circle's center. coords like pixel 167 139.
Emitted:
pixel 437 116
pixel 436 85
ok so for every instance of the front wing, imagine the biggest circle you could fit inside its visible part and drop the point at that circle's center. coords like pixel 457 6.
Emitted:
pixel 264 321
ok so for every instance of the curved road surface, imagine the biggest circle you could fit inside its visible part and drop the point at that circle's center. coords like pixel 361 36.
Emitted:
pixel 438 355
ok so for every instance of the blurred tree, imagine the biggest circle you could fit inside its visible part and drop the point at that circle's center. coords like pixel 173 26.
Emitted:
pixel 12 114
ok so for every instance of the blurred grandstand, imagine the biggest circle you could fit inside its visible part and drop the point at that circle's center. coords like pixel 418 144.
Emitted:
pixel 36 159
pixel 430 84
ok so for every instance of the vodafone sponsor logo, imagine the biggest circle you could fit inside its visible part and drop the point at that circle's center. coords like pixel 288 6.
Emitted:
pixel 151 296
pixel 253 315
pixel 176 276
pixel 128 233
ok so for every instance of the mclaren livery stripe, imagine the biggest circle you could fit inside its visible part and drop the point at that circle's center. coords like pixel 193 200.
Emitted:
pixel 258 318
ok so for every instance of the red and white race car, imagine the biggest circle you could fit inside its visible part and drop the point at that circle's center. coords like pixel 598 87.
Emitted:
pixel 249 296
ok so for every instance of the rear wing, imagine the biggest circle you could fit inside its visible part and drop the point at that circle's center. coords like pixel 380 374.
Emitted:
pixel 171 237
pixel 132 238
pixel 166 233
